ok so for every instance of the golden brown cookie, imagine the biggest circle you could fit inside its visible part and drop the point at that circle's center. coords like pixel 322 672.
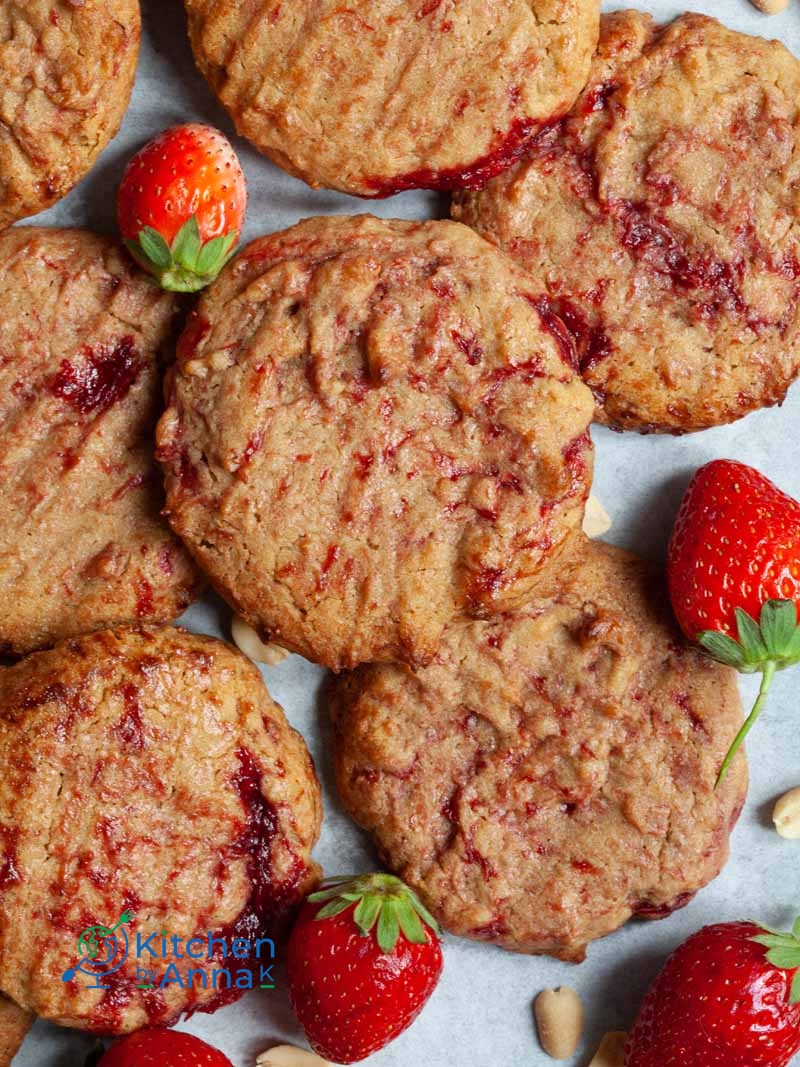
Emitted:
pixel 371 427
pixel 149 784
pixel 552 772
pixel 83 337
pixel 663 218
pixel 374 96
pixel 15 1023
pixel 66 73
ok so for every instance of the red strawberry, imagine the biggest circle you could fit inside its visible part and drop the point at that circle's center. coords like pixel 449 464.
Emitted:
pixel 734 574
pixel 363 959
pixel 181 206
pixel 159 1048
pixel 723 1000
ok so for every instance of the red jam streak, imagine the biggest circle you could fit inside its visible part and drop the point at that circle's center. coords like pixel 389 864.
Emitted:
pixel 269 903
pixel 104 377
pixel 473 176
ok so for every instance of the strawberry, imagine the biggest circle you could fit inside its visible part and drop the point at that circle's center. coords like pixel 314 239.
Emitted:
pixel 181 206
pixel 728 997
pixel 734 574
pixel 363 959
pixel 159 1047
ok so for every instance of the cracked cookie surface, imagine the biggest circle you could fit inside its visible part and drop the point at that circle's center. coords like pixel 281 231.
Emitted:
pixel 663 217
pixel 82 343
pixel 145 770
pixel 341 94
pixel 67 69
pixel 551 773
pixel 371 427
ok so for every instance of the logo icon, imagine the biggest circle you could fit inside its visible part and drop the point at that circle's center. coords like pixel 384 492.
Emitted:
pixel 102 951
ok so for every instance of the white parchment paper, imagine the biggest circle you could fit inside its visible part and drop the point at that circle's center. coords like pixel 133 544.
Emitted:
pixel 480 1016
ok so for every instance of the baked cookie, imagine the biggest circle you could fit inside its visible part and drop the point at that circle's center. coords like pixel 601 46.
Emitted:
pixel 66 74
pixel 552 772
pixel 663 216
pixel 343 96
pixel 149 783
pixel 370 428
pixel 14 1026
pixel 82 542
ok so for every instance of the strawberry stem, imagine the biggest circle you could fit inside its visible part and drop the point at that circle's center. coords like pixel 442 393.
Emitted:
pixel 770 669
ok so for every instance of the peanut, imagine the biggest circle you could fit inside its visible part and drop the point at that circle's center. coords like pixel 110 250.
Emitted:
pixel 289 1056
pixel 596 521
pixel 559 1021
pixel 786 815
pixel 770 7
pixel 248 641
pixel 611 1052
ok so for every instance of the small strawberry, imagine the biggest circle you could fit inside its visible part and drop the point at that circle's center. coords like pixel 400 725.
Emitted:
pixel 159 1048
pixel 728 997
pixel 363 960
pixel 734 574
pixel 181 206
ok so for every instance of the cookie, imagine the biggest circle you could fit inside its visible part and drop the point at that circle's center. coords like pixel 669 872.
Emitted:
pixel 82 541
pixel 370 428
pixel 149 784
pixel 14 1026
pixel 551 773
pixel 375 97
pixel 66 74
pixel 662 216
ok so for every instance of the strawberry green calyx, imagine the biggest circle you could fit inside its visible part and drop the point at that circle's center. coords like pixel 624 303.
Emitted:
pixel 188 265
pixel 770 645
pixel 784 953
pixel 381 901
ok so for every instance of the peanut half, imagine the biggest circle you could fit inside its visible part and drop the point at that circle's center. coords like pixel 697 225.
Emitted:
pixel 786 815
pixel 289 1056
pixel 248 641
pixel 612 1050
pixel 596 520
pixel 559 1021
pixel 770 7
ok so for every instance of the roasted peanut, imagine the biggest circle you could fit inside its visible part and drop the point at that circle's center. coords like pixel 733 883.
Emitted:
pixel 248 641
pixel 770 7
pixel 611 1052
pixel 289 1056
pixel 596 520
pixel 559 1021
pixel 786 815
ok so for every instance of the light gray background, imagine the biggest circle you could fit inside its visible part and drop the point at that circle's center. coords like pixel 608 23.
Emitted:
pixel 480 1016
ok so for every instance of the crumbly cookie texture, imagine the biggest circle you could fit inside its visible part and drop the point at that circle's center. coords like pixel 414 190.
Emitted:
pixel 82 342
pixel 551 773
pixel 15 1023
pixel 342 96
pixel 145 771
pixel 372 426
pixel 67 70
pixel 662 217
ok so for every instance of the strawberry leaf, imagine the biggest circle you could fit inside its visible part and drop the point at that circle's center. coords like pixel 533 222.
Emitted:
pixel 367 912
pixel 155 248
pixel 722 648
pixel 785 958
pixel 388 926
pixel 215 254
pixel 750 638
pixel 794 994
pixel 410 923
pixel 333 908
pixel 383 907
pixel 187 245
pixel 778 624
